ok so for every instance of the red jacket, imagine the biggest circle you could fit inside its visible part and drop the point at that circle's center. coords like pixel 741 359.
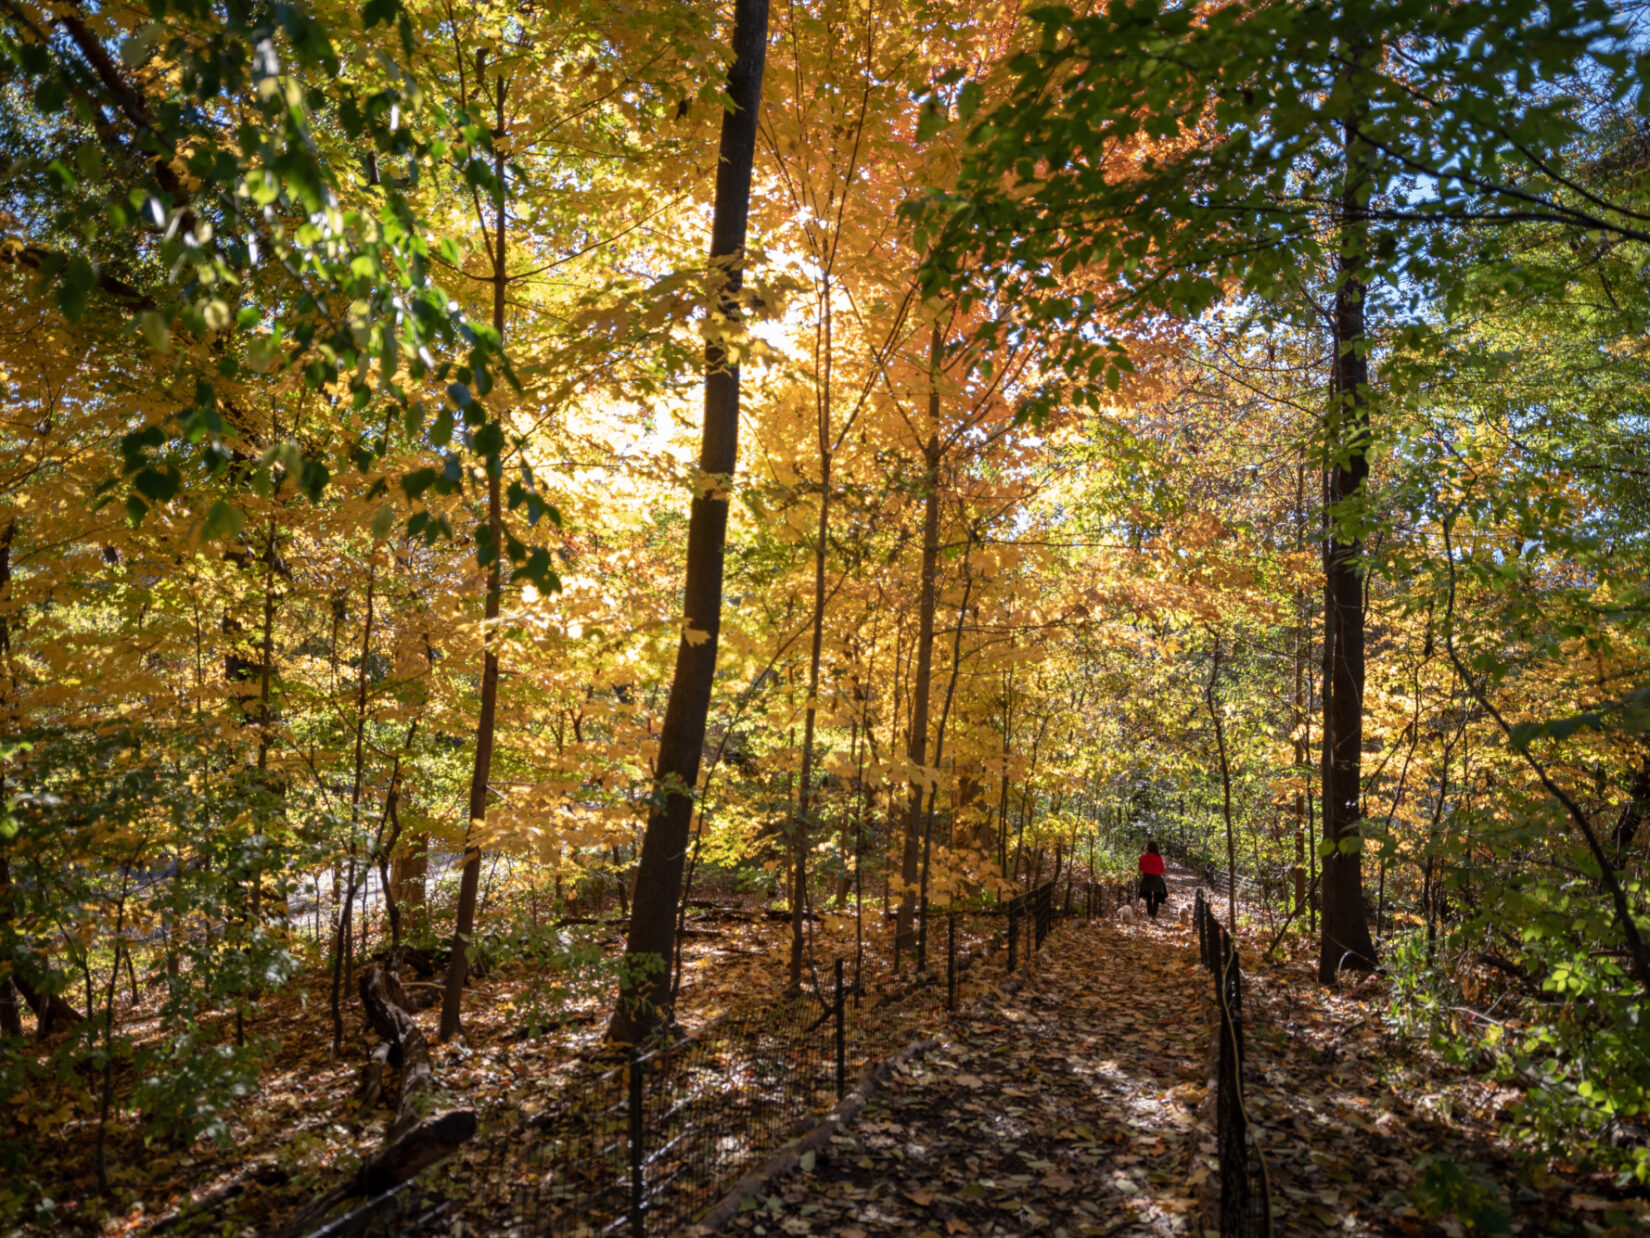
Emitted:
pixel 1151 864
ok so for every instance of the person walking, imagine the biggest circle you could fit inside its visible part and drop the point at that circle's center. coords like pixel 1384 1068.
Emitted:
pixel 1152 886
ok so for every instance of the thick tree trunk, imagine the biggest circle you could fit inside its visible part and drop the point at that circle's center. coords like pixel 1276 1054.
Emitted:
pixel 904 935
pixel 458 965
pixel 1346 942
pixel 645 985
pixel 409 866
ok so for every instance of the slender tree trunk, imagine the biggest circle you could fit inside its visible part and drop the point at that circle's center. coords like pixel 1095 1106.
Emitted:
pixel 645 984
pixel 1302 728
pixel 939 754
pixel 458 963
pixel 918 752
pixel 1213 697
pixel 902 669
pixel 1346 942
pixel 341 963
pixel 108 1090
pixel 267 657
pixel 11 1018
pixel 1002 788
pixel 800 827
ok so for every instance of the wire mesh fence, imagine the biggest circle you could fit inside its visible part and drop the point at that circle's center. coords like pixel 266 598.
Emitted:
pixel 1245 1187
pixel 640 1146
pixel 644 1145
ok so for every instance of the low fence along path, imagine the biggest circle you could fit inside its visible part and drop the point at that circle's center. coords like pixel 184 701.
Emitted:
pixel 1070 1106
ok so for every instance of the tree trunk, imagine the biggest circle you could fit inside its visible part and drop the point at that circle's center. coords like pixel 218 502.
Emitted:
pixel 1213 697
pixel 11 1019
pixel 800 826
pixel 1632 815
pixel 1346 942
pixel 939 754
pixel 1002 786
pixel 458 965
pixel 344 942
pixel 1302 728
pixel 645 984
pixel 904 937
pixel 409 865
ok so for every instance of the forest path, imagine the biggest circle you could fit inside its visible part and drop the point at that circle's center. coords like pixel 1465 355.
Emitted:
pixel 1067 1108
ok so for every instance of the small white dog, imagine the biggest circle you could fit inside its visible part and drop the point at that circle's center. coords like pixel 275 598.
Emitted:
pixel 1128 913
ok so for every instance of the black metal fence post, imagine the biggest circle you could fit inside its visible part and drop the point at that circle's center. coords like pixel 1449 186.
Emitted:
pixel 841 1038
pixel 638 1130
pixel 1013 932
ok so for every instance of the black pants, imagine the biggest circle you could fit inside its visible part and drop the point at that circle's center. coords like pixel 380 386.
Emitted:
pixel 1153 901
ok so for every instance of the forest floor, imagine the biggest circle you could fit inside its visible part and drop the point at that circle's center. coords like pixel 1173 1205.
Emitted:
pixel 1075 1105
pixel 1080 1105
pixel 527 1029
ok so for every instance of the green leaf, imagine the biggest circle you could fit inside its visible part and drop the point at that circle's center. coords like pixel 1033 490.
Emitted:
pixel 931 121
pixel 157 484
pixel 77 280
pixel 155 331
pixel 223 521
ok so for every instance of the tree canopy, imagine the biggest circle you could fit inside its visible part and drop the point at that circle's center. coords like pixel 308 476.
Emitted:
pixel 478 478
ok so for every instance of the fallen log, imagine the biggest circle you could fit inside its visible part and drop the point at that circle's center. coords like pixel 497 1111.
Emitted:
pixel 413 1143
pixel 387 1012
pixel 371 1088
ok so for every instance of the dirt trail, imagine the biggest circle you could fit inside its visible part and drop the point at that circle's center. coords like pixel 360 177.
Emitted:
pixel 1067 1108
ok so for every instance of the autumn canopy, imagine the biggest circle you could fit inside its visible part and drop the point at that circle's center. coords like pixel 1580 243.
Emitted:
pixel 486 484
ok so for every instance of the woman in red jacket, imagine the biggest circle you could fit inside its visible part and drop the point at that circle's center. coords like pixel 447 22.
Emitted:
pixel 1152 886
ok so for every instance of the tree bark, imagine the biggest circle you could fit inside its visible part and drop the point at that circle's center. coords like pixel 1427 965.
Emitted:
pixel 1632 815
pixel 341 959
pixel 11 1019
pixel 1213 698
pixel 1302 728
pixel 904 935
pixel 1002 786
pixel 1345 942
pixel 644 987
pixel 939 754
pixel 800 825
pixel 458 965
